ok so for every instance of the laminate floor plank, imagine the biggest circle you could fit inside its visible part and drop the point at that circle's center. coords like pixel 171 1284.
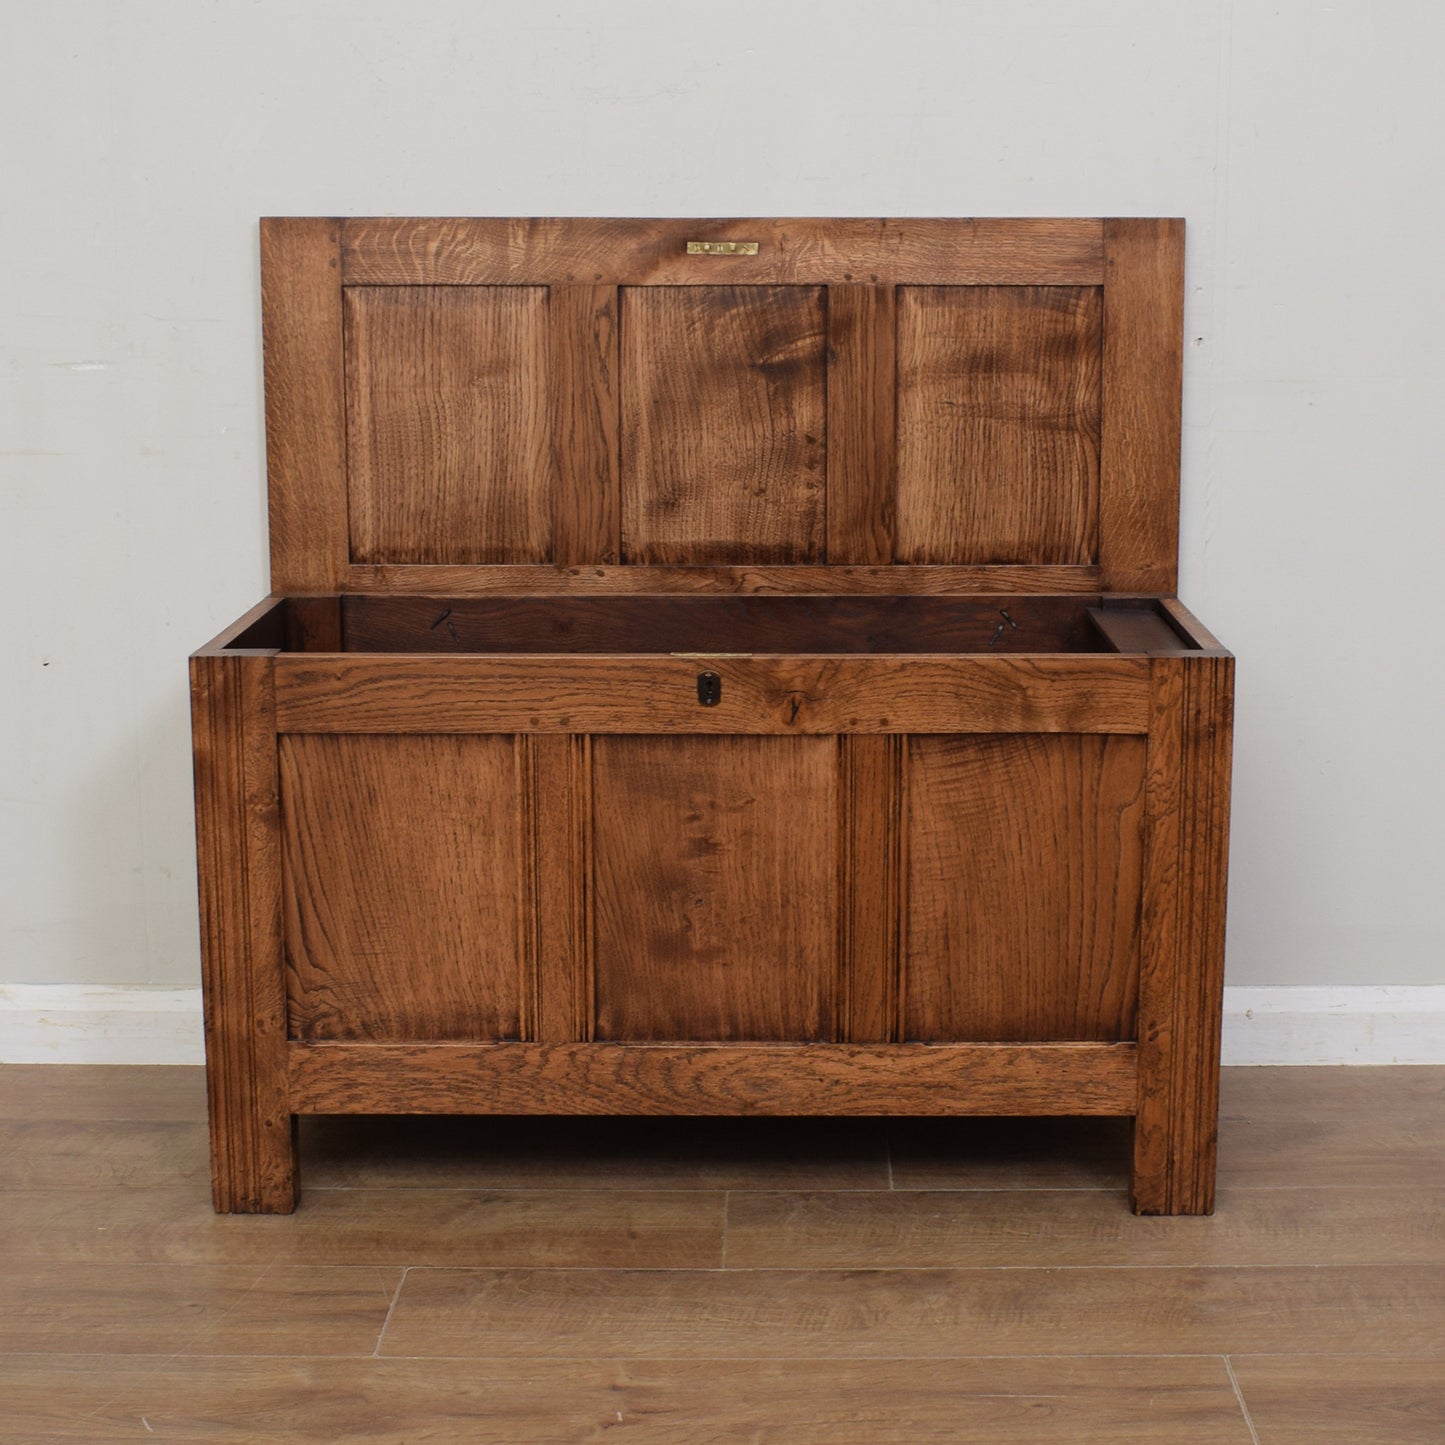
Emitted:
pixel 521 1280
pixel 114 1308
pixel 59 1397
pixel 1332 1128
pixel 118 1093
pixel 1349 1400
pixel 134 1154
pixel 147 1309
pixel 684 1402
pixel 976 1228
pixel 657 1229
pixel 304 1310
pixel 862 1314
pixel 593 1153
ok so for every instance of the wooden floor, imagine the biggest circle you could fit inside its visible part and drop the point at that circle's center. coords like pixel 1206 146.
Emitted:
pixel 785 1281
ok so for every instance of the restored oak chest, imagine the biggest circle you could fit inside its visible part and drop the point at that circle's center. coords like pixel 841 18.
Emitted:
pixel 717 667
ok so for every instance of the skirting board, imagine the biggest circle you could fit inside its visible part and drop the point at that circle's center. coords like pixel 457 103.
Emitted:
pixel 88 1024
pixel 65 1023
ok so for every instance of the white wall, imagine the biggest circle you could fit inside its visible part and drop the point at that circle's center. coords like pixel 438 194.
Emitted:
pixel 1302 141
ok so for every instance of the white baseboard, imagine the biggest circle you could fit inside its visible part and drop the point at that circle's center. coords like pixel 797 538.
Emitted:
pixel 66 1023
pixel 86 1024
pixel 1370 1025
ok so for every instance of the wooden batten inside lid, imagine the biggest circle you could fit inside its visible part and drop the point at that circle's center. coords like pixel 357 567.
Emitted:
pixel 472 406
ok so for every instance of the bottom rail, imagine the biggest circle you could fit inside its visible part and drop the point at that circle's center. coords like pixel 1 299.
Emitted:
pixel 757 1079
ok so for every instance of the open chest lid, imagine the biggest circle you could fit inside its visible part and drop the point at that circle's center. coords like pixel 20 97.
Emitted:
pixel 837 406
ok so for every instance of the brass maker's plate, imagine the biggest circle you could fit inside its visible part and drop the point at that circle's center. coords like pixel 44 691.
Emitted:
pixel 722 248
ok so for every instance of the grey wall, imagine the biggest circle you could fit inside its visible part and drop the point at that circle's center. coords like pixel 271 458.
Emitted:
pixel 1302 142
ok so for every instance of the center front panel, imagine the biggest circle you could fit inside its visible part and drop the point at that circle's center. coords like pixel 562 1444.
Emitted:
pixel 716 890
pixel 723 416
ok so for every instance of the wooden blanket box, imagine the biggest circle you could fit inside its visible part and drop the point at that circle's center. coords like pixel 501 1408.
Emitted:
pixel 717 667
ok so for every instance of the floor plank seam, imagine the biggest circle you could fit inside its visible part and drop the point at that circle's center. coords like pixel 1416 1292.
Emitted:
pixel 1239 1395
pixel 390 1310
pixel 594 1357
pixel 649 1189
pixel 857 1269
pixel 727 1199
pixel 643 1188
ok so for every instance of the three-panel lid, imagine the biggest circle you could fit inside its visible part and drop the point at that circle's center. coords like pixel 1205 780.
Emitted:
pixel 723 405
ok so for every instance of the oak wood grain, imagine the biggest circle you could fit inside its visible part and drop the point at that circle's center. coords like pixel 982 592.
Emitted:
pixel 376 693
pixel 1190 626
pixel 700 624
pixel 704 850
pixel 403 878
pixel 1143 364
pixel 1137 631
pixel 870 885
pixel 313 624
pixel 654 581
pixel 998 372
pixel 862 407
pixel 712 1078
pixel 998 424
pixel 306 462
pixel 394 251
pixel 862 387
pixel 449 424
pixel 1181 974
pixel 1024 873
pixel 583 369
pixel 238 860
pixel 723 424
pixel 558 903
pixel 261 629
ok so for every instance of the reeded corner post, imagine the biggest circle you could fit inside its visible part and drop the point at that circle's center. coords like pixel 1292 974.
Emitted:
pixel 1182 933
pixel 238 848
